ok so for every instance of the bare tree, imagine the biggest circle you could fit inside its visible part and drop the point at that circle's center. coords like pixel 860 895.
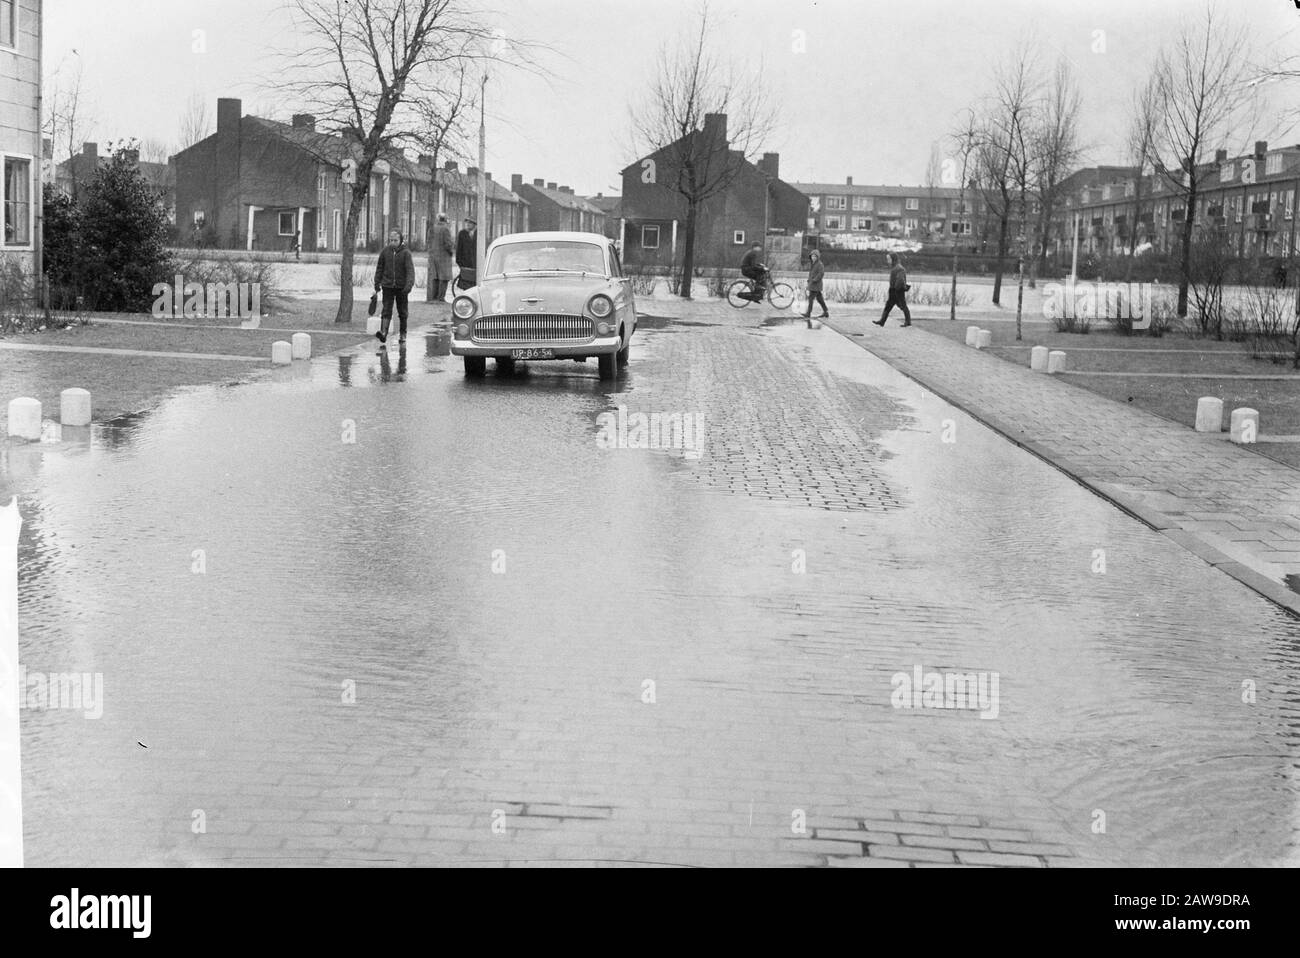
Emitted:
pixel 690 156
pixel 933 177
pixel 1055 152
pixel 1140 147
pixel 367 67
pixel 195 123
pixel 1003 154
pixel 438 134
pixel 1201 83
pixel 965 140
pixel 69 122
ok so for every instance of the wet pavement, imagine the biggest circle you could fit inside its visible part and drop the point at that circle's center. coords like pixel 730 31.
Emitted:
pixel 372 611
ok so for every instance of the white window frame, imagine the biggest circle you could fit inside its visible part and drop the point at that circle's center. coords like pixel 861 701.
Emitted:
pixel 738 237
pixel 1273 164
pixel 1290 203
pixel 911 225
pixel 644 244
pixel 961 228
pixel 862 223
pixel 862 204
pixel 834 223
pixel 279 222
pixel 17 25
pixel 913 204
pixel 1225 172
pixel 33 197
pixel 200 218
pixel 837 202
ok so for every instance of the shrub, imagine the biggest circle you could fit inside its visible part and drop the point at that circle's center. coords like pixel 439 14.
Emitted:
pixel 260 272
pixel 851 291
pixel 941 296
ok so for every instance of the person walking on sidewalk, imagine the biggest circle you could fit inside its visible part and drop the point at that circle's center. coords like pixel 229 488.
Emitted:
pixel 898 288
pixel 395 275
pixel 443 250
pixel 815 273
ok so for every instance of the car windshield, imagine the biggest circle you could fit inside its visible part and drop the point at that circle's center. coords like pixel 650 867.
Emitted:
pixel 547 255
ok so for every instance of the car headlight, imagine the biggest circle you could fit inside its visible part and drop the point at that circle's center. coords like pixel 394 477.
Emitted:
pixel 464 307
pixel 600 306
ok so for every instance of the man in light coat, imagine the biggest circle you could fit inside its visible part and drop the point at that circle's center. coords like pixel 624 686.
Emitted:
pixel 441 250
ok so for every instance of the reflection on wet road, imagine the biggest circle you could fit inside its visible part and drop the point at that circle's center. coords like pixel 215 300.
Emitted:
pixel 375 611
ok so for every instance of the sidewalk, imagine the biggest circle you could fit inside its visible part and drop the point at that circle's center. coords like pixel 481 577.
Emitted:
pixel 1234 509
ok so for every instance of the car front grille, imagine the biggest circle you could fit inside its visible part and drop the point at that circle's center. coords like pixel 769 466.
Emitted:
pixel 533 327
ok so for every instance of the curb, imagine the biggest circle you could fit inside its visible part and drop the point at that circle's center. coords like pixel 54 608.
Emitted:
pixel 1157 521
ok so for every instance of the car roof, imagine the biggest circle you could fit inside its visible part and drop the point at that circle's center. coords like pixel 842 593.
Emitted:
pixel 555 236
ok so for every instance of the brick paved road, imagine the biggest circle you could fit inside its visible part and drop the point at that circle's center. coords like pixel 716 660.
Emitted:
pixel 679 661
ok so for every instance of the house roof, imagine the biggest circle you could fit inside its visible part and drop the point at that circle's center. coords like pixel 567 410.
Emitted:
pixel 568 201
pixel 606 204
pixel 843 189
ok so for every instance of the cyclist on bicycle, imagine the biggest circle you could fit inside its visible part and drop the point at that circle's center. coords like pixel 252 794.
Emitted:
pixel 752 269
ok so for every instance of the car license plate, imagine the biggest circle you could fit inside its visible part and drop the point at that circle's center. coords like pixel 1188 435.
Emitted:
pixel 532 354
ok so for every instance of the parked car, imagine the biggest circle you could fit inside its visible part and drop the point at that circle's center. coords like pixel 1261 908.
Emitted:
pixel 547 296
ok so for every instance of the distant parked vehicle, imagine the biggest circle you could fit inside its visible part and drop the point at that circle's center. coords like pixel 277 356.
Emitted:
pixel 547 296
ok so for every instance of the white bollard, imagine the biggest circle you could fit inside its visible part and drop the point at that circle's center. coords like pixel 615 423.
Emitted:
pixel 1209 414
pixel 1056 361
pixel 281 353
pixel 1245 424
pixel 1038 359
pixel 372 325
pixel 301 346
pixel 11 783
pixel 25 418
pixel 985 339
pixel 972 334
pixel 74 407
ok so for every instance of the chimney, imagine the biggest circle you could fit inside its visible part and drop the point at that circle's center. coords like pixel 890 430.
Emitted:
pixel 516 181
pixel 770 164
pixel 487 176
pixel 600 196
pixel 1261 147
pixel 848 181
pixel 539 183
pixel 425 160
pixel 715 128
pixel 471 171
pixel 551 186
pixel 228 113
pixel 304 121
pixel 90 149
pixel 566 189
pixel 1220 156
pixel 450 166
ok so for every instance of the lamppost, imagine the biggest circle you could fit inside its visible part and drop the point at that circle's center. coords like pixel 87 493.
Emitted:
pixel 480 246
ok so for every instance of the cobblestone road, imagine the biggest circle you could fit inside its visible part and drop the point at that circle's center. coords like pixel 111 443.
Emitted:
pixel 476 636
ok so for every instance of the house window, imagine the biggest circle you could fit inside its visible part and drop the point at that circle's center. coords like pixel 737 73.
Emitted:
pixel 1273 164
pixel 17 201
pixel 862 203
pixel 961 229
pixel 649 237
pixel 9 23
pixel 738 237
pixel 910 225
pixel 862 222
pixel 1290 203
pixel 834 223
pixel 1225 173
pixel 288 224
pixel 836 203
pixel 913 204
pixel 200 218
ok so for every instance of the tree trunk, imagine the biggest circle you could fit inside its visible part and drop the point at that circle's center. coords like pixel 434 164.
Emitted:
pixel 688 251
pixel 344 314
pixel 1002 252
pixel 1186 267
pixel 432 219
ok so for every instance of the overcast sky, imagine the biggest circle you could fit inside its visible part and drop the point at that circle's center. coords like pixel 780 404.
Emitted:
pixel 878 84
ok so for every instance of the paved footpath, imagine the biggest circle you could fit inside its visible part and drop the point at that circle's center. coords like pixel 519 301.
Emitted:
pixel 1236 510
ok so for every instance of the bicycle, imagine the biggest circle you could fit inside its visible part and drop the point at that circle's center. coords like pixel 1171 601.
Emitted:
pixel 779 295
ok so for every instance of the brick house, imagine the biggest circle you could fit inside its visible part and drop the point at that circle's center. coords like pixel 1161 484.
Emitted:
pixel 80 169
pixel 848 216
pixel 260 184
pixel 612 208
pixel 21 147
pixel 756 205
pixel 507 211
pixel 1250 200
pixel 553 207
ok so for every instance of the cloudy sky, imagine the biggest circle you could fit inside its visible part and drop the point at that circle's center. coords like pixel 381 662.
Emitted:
pixel 877 84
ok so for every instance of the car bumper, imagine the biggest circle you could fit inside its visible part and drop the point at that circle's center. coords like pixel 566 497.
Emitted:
pixel 590 347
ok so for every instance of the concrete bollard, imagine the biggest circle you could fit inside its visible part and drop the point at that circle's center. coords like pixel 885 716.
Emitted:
pixel 372 325
pixel 1245 425
pixel 301 346
pixel 985 339
pixel 972 334
pixel 1209 414
pixel 74 407
pixel 1056 361
pixel 281 353
pixel 25 418
pixel 1038 359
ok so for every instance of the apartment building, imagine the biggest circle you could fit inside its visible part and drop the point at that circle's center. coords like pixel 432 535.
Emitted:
pixel 849 216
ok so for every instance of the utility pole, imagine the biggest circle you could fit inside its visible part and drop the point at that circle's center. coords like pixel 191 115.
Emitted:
pixel 1074 256
pixel 480 246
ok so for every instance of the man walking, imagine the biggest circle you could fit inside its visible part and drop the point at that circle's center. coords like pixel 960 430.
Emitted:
pixel 815 273
pixel 467 254
pixel 898 288
pixel 395 275
pixel 752 268
pixel 441 250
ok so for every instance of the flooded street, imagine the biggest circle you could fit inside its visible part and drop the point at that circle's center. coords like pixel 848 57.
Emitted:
pixel 372 611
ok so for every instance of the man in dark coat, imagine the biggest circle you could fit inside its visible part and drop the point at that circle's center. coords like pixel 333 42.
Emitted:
pixel 467 254
pixel 752 268
pixel 395 275
pixel 897 292
pixel 815 273
pixel 441 251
